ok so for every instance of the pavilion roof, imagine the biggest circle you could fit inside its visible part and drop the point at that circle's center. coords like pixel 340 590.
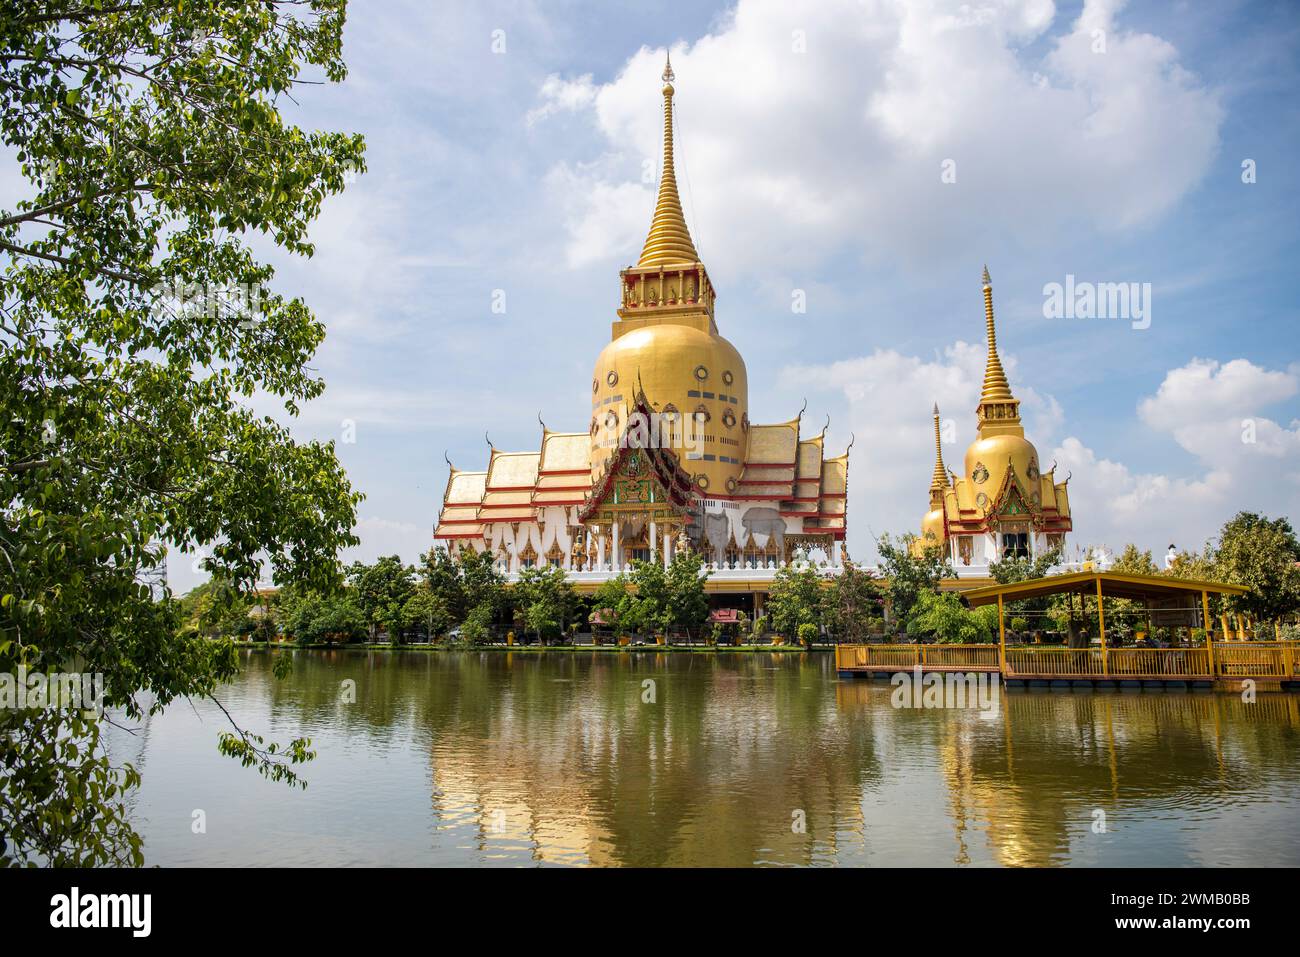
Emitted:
pixel 1110 584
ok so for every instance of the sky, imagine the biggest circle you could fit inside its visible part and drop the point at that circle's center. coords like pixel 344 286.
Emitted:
pixel 868 158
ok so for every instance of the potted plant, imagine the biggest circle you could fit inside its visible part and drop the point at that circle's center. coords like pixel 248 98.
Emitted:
pixel 807 634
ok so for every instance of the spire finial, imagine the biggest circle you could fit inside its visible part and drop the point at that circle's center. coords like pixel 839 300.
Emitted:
pixel 669 240
pixel 668 66
pixel 987 280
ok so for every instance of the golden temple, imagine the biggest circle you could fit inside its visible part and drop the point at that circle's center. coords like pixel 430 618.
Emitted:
pixel 1003 506
pixel 670 455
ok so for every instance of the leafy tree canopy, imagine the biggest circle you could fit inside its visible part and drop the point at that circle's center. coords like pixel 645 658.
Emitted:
pixel 135 324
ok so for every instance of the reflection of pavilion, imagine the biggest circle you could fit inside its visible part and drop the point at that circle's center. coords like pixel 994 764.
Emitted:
pixel 1122 754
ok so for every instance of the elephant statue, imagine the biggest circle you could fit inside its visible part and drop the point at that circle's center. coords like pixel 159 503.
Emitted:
pixel 766 521
pixel 711 527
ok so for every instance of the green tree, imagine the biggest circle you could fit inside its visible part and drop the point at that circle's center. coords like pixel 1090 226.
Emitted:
pixel 426 613
pixel 381 593
pixel 797 597
pixel 853 600
pixel 686 604
pixel 1035 610
pixel 1260 553
pixel 943 617
pixel 333 618
pixel 909 571
pixel 440 574
pixel 476 628
pixel 136 322
pixel 482 585
pixel 646 608
pixel 545 599
pixel 610 599
pixel 1134 561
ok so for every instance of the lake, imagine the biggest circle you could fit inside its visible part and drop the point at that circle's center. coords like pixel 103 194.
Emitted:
pixel 524 759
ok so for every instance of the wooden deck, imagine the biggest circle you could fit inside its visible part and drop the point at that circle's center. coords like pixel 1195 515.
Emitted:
pixel 1274 663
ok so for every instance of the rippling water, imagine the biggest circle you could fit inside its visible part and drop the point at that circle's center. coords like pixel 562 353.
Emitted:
pixel 523 759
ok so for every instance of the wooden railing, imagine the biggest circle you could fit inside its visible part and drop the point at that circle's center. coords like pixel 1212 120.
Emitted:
pixel 1159 662
pixel 1256 659
pixel 1026 662
pixel 904 657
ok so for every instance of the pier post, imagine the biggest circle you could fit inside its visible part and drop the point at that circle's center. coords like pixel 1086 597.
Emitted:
pixel 1101 627
pixel 1002 639
pixel 1205 613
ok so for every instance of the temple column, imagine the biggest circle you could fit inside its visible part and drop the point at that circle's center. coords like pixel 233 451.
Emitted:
pixel 668 546
pixel 654 539
pixel 600 550
pixel 616 559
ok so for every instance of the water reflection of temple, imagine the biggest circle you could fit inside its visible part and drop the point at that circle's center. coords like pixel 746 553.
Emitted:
pixel 579 768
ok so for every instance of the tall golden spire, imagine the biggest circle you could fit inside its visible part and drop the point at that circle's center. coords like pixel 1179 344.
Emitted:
pixel 940 480
pixel 999 410
pixel 996 388
pixel 669 240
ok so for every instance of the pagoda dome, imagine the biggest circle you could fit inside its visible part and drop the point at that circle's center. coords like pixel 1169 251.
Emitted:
pixel 933 527
pixel 681 369
pixel 987 460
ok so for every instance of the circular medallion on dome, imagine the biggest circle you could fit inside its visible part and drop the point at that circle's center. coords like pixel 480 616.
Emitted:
pixel 702 413
pixel 732 485
pixel 981 474
pixel 595 386
pixel 701 480
pixel 611 419
pixel 728 378
pixel 729 419
pixel 982 500
pixel 744 422
pixel 612 377
pixel 701 373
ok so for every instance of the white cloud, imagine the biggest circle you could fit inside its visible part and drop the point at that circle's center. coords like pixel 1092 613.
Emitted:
pixel 1110 139
pixel 559 95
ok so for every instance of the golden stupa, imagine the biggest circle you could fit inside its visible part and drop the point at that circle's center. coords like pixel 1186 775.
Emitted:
pixel 1004 506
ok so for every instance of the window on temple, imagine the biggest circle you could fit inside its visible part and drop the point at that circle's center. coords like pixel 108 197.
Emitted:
pixel 1015 545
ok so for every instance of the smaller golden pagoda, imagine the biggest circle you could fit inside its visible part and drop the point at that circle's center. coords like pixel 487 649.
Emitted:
pixel 1004 506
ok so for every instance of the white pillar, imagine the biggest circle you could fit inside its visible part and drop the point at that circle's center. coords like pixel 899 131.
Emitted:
pixel 616 559
pixel 668 546
pixel 600 550
pixel 654 539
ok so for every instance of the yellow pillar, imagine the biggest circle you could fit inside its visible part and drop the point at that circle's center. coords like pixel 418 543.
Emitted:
pixel 1227 632
pixel 1101 627
pixel 1205 617
pixel 1002 638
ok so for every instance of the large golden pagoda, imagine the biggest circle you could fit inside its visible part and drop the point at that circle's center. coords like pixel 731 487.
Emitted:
pixel 669 456
pixel 1004 505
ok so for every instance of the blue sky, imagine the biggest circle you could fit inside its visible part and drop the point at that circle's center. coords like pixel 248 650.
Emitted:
pixel 506 149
